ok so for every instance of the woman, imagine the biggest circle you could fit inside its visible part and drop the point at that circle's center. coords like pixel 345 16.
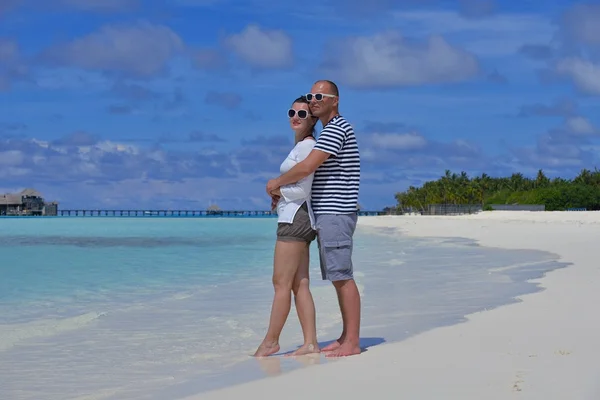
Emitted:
pixel 295 232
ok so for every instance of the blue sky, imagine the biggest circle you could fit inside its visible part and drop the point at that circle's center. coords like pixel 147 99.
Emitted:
pixel 181 104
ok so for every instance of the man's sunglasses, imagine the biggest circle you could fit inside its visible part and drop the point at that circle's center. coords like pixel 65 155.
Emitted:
pixel 318 96
pixel 302 114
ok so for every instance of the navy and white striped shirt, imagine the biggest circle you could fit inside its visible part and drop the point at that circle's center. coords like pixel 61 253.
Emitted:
pixel 336 182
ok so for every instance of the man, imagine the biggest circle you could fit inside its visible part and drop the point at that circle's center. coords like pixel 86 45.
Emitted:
pixel 335 161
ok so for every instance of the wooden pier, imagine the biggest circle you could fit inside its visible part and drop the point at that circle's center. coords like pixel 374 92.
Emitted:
pixel 179 213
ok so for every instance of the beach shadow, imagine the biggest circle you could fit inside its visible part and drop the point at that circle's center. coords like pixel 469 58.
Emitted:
pixel 365 343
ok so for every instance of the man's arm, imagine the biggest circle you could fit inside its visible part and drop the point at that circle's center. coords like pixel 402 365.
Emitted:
pixel 301 170
pixel 331 140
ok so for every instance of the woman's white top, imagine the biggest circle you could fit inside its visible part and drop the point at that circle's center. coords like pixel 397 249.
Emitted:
pixel 294 194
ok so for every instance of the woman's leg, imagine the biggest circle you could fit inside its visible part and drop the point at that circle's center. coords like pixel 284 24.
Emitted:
pixel 285 264
pixel 305 306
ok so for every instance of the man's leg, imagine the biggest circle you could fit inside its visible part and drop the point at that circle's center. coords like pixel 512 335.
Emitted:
pixel 335 241
pixel 336 343
pixel 323 231
pixel 349 298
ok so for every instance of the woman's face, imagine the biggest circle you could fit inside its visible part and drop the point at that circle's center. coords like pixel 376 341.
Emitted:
pixel 300 118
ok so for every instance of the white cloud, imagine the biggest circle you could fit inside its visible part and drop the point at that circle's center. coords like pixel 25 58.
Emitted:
pixel 452 22
pixel 559 150
pixel 585 74
pixel 108 146
pixel 388 59
pixel 580 126
pixel 67 160
pixel 498 35
pixel 402 141
pixel 262 48
pixel 539 160
pixel 580 23
pixel 462 147
pixel 11 157
pixel 11 65
pixel 404 151
pixel 17 172
pixel 141 49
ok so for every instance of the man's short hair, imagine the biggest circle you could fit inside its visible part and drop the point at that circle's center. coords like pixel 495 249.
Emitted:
pixel 334 87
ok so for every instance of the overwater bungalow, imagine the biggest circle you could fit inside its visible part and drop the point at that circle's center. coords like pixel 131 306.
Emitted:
pixel 27 202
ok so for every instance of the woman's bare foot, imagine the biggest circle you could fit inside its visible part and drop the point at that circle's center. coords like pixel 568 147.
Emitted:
pixel 309 348
pixel 266 349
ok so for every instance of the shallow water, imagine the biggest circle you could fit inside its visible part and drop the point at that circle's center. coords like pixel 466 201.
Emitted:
pixel 126 308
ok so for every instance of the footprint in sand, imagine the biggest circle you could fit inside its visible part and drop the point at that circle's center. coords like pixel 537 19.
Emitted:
pixel 562 352
pixel 518 382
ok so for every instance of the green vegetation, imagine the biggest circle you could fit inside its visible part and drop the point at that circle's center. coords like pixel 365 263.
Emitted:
pixel 556 194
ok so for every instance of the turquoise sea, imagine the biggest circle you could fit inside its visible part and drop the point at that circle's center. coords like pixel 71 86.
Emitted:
pixel 160 308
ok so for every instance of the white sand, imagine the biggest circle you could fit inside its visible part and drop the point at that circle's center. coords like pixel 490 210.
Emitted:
pixel 545 347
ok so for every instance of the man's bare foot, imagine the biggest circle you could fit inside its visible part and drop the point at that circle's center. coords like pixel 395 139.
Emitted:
pixel 266 349
pixel 305 349
pixel 344 350
pixel 333 345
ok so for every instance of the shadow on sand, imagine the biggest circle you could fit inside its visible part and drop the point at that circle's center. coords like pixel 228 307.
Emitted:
pixel 365 343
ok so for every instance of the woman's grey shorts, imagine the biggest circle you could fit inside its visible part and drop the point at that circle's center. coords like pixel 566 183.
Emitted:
pixel 299 230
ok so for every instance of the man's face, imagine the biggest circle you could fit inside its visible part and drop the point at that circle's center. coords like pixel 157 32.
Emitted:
pixel 326 104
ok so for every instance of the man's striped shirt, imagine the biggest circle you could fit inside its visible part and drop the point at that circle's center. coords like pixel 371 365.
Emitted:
pixel 336 182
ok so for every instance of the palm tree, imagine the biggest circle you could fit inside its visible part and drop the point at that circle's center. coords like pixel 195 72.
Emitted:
pixel 541 180
pixel 459 189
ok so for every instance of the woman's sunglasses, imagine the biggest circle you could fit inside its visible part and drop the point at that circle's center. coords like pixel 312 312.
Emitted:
pixel 302 114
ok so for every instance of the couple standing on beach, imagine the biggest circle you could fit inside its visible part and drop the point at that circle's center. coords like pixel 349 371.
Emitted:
pixel 316 198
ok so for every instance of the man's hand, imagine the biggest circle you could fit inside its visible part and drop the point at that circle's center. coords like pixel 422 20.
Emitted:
pixel 272 185
pixel 274 201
